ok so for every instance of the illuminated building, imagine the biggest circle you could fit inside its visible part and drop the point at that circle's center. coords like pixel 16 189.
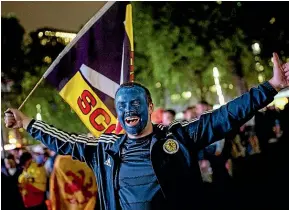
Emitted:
pixel 47 43
pixel 48 36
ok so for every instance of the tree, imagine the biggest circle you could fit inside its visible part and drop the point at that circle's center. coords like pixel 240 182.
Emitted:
pixel 25 64
pixel 179 52
pixel 12 53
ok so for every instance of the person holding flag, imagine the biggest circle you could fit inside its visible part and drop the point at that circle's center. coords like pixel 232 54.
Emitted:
pixel 148 166
pixel 152 166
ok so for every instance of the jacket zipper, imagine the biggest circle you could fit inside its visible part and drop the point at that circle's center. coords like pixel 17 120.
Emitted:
pixel 156 175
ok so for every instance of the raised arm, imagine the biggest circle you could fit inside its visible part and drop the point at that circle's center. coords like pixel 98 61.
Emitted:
pixel 216 125
pixel 80 147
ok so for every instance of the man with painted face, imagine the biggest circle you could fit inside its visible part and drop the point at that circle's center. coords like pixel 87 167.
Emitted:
pixel 152 166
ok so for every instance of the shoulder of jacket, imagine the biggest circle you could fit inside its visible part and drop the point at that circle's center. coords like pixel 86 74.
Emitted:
pixel 109 138
pixel 182 123
pixel 161 127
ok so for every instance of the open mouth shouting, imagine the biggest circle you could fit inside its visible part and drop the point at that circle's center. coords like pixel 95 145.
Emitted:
pixel 132 121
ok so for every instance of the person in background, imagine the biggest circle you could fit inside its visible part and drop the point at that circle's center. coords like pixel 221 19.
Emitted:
pixel 32 183
pixel 9 186
pixel 17 152
pixel 49 157
pixel 157 116
pixel 201 108
pixel 190 113
pixel 168 117
pixel 214 155
pixel 39 155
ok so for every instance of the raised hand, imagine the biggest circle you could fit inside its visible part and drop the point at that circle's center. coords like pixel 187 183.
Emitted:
pixel 16 119
pixel 280 79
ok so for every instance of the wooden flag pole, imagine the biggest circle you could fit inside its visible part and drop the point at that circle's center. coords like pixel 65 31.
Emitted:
pixel 37 84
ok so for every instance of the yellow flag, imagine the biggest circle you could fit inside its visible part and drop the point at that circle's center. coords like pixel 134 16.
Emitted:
pixel 72 185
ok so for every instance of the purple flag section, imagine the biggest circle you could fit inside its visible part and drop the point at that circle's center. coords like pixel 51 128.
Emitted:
pixel 102 46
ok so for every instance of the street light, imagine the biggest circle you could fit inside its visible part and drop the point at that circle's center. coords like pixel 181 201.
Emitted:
pixel 38 115
pixel 256 48
pixel 218 86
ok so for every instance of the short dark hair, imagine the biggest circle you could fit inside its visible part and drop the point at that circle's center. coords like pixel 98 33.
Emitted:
pixel 172 112
pixel 203 103
pixel 24 158
pixel 132 84
pixel 188 108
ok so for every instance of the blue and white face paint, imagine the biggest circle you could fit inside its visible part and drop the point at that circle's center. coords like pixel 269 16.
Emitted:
pixel 132 109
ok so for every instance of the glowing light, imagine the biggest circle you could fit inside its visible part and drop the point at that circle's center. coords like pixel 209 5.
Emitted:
pixel 216 106
pixel 38 116
pixel 47 59
pixel 239 4
pixel 261 78
pixel 175 97
pixel 259 67
pixel 219 2
pixel 43 41
pixel 218 86
pixel 158 85
pixel 231 86
pixel 186 94
pixel 216 72
pixel 272 20
pixel 9 146
pixel 40 34
pixel 213 88
pixel 256 48
pixel 12 141
pixel 70 36
pixel 280 102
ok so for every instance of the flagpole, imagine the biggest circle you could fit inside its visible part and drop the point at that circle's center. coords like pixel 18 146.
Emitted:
pixel 37 84
pixel 129 31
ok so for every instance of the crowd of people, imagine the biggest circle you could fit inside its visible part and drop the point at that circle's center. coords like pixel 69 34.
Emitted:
pixel 25 176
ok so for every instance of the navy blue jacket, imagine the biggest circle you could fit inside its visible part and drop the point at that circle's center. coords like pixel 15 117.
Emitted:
pixel 178 174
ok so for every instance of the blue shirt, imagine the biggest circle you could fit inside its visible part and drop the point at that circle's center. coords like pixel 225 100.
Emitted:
pixel 138 187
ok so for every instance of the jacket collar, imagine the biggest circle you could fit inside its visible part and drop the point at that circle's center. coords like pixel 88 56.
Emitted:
pixel 115 148
pixel 158 133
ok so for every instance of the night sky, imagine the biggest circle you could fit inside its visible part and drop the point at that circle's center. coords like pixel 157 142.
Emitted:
pixel 68 16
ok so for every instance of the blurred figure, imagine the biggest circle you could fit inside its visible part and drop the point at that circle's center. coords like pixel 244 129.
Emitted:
pixel 17 152
pixel 266 126
pixel 168 117
pixel 9 186
pixel 202 107
pixel 157 116
pixel 49 157
pixel 32 183
pixel 217 160
pixel 38 155
pixel 11 166
pixel 190 113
